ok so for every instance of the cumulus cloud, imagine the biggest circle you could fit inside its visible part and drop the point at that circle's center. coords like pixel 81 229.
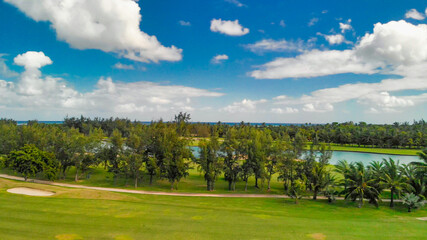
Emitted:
pixel 270 45
pixel 390 46
pixel 385 100
pixel 346 26
pixel 108 25
pixel 231 28
pixel 398 48
pixel 284 110
pixel 246 105
pixel 333 39
pixel 48 94
pixel 282 23
pixel 414 14
pixel 219 58
pixel 318 107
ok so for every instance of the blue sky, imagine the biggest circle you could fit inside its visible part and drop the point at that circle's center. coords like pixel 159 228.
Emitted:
pixel 220 60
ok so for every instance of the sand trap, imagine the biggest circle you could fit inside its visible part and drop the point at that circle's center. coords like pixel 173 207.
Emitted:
pixel 422 218
pixel 30 191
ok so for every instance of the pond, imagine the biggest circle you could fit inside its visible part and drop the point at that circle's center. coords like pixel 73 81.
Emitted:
pixel 366 158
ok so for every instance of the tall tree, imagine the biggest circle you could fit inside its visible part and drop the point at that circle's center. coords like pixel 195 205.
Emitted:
pixel 30 160
pixel 361 185
pixel 176 157
pixel 392 179
pixel 210 161
pixel 232 168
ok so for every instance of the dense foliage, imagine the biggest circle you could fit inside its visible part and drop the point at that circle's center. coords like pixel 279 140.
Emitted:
pixel 160 150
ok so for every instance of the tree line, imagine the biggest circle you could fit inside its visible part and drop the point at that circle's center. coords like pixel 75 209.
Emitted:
pixel 159 150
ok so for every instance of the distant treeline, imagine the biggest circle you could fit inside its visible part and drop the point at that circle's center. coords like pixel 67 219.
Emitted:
pixel 362 134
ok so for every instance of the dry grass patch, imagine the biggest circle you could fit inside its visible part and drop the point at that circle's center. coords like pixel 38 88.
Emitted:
pixel 317 236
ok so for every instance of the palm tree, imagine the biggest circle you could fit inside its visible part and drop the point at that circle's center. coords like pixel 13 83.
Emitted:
pixel 412 201
pixel 410 172
pixel 422 166
pixel 361 185
pixel 392 179
pixel 343 167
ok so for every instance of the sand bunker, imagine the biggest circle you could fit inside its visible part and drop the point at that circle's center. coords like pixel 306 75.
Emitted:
pixel 422 218
pixel 30 191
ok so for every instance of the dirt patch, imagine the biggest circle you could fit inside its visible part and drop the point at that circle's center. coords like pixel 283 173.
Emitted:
pixel 422 218
pixel 317 236
pixel 30 192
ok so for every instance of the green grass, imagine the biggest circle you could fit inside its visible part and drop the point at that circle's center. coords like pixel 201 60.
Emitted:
pixel 195 183
pixel 393 151
pixel 88 214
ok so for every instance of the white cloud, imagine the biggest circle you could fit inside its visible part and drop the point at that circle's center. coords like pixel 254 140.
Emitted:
pixel 414 14
pixel 385 101
pixel 107 25
pixel 281 97
pixel 312 22
pixel 231 28
pixel 346 26
pixel 393 46
pixel 123 66
pixel 219 58
pixel 246 105
pixel 32 59
pixel 318 107
pixel 184 23
pixel 334 39
pixel 282 23
pixel 236 2
pixel 4 69
pixel 270 45
pixel 313 64
pixel 284 110
pixel 33 92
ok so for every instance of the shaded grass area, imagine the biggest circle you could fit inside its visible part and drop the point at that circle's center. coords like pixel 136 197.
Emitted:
pixel 86 214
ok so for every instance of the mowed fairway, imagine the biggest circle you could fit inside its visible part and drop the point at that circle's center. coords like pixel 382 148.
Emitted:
pixel 88 214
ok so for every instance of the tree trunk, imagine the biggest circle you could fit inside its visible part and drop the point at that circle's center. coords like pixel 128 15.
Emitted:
pixel 409 209
pixel 229 185
pixel 360 202
pixel 208 185
pixel 234 186
pixel 76 178
pixel 392 198
pixel 246 185
pixel 315 194
pixel 256 182
pixel 171 185
pixel 25 178
pixel 151 179
pixel 136 182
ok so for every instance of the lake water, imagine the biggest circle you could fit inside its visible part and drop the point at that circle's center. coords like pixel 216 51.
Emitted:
pixel 366 158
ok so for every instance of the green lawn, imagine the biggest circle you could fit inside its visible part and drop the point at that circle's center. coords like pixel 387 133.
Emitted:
pixel 394 151
pixel 89 214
